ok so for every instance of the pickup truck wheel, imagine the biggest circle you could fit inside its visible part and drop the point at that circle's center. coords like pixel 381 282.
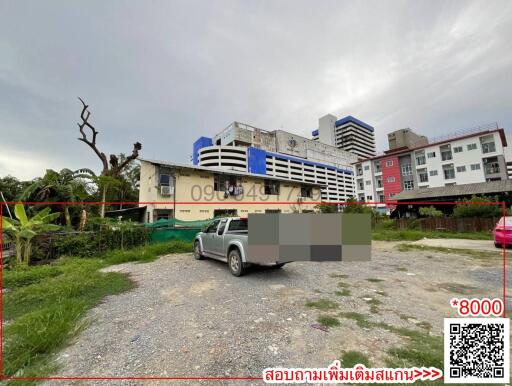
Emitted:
pixel 197 251
pixel 236 265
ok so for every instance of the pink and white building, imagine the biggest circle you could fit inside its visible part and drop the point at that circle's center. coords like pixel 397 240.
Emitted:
pixel 465 157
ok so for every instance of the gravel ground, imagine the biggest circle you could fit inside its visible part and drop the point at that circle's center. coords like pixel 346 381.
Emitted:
pixel 193 318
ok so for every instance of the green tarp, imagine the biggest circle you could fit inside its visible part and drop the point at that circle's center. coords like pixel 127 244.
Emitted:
pixel 172 229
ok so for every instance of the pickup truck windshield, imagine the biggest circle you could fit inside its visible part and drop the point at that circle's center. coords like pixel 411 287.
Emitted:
pixel 238 225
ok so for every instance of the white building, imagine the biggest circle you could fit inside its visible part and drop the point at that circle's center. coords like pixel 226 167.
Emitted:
pixel 281 154
pixel 471 156
pixel 346 133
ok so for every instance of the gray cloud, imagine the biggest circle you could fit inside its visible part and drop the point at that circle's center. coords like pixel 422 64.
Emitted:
pixel 169 72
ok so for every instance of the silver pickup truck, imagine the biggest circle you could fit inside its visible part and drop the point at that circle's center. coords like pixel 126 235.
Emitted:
pixel 225 239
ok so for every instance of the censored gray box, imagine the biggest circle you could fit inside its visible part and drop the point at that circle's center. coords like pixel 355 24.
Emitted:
pixel 308 237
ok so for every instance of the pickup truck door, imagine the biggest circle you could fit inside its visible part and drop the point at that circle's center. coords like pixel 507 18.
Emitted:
pixel 217 242
pixel 207 236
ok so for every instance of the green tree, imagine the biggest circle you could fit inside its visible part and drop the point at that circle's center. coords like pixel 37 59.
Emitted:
pixel 353 207
pixel 327 208
pixel 430 211
pixel 12 188
pixel 63 186
pixel 478 206
pixel 23 229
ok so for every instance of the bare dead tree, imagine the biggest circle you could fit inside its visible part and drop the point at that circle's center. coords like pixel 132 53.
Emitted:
pixel 111 166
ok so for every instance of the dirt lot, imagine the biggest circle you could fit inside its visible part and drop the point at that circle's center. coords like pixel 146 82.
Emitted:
pixel 193 318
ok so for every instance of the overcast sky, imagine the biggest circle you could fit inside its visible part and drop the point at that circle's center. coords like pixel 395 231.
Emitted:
pixel 166 72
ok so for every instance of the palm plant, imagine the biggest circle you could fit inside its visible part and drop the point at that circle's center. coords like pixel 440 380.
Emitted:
pixel 63 186
pixel 23 229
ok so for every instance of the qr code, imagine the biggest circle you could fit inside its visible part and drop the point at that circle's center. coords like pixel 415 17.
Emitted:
pixel 476 350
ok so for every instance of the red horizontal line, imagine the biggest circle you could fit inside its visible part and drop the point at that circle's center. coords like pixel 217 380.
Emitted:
pixel 130 378
pixel 255 203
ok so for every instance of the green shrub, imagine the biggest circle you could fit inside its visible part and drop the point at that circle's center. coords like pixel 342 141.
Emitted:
pixel 99 239
pixel 473 208
pixel 430 211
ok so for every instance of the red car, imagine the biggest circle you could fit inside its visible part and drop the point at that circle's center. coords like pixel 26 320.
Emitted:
pixel 503 232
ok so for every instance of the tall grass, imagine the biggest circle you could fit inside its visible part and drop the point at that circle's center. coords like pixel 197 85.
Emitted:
pixel 44 305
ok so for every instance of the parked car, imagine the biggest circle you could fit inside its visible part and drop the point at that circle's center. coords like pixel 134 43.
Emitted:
pixel 225 239
pixel 503 232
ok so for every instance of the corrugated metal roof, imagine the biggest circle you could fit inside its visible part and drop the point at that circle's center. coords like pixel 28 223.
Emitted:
pixel 491 187
pixel 225 171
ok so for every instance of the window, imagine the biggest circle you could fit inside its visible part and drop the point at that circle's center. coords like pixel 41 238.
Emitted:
pixel 272 187
pixel 381 198
pixel 446 152
pixel 475 167
pixel 359 171
pixel 379 182
pixel 306 191
pixel 274 211
pixel 238 225
pixel 432 173
pixel 366 167
pixel 423 175
pixel 369 198
pixel 457 149
pixel 431 154
pixel 406 170
pixel 449 172
pixel 222 182
pixel 488 147
pixel 408 185
pixel 492 167
pixel 165 180
pixel 212 227
pixel 391 179
pixel 368 182
pixel 389 163
pixel 420 158
pixel 471 146
pixel 360 184
pixel 391 195
pixel 222 226
pixel 461 169
pixel 376 165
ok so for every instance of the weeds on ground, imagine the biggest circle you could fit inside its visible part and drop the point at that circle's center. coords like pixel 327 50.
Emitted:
pixel 338 275
pixel 374 305
pixel 322 304
pixel 352 358
pixel 374 280
pixel 44 305
pixel 328 321
pixel 343 292
pixel 421 349
pixel 414 235
pixel 477 254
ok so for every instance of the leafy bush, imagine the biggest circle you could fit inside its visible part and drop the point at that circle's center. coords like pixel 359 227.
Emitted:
pixel 353 207
pixel 430 211
pixel 98 239
pixel 475 208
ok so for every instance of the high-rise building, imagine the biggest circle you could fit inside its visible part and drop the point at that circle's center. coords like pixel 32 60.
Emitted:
pixel 348 133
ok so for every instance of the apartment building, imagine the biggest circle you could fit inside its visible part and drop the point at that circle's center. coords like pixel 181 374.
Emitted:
pixel 465 157
pixel 280 154
pixel 186 192
pixel 348 133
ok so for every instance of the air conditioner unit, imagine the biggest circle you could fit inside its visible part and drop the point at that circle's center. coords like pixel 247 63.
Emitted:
pixel 166 190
